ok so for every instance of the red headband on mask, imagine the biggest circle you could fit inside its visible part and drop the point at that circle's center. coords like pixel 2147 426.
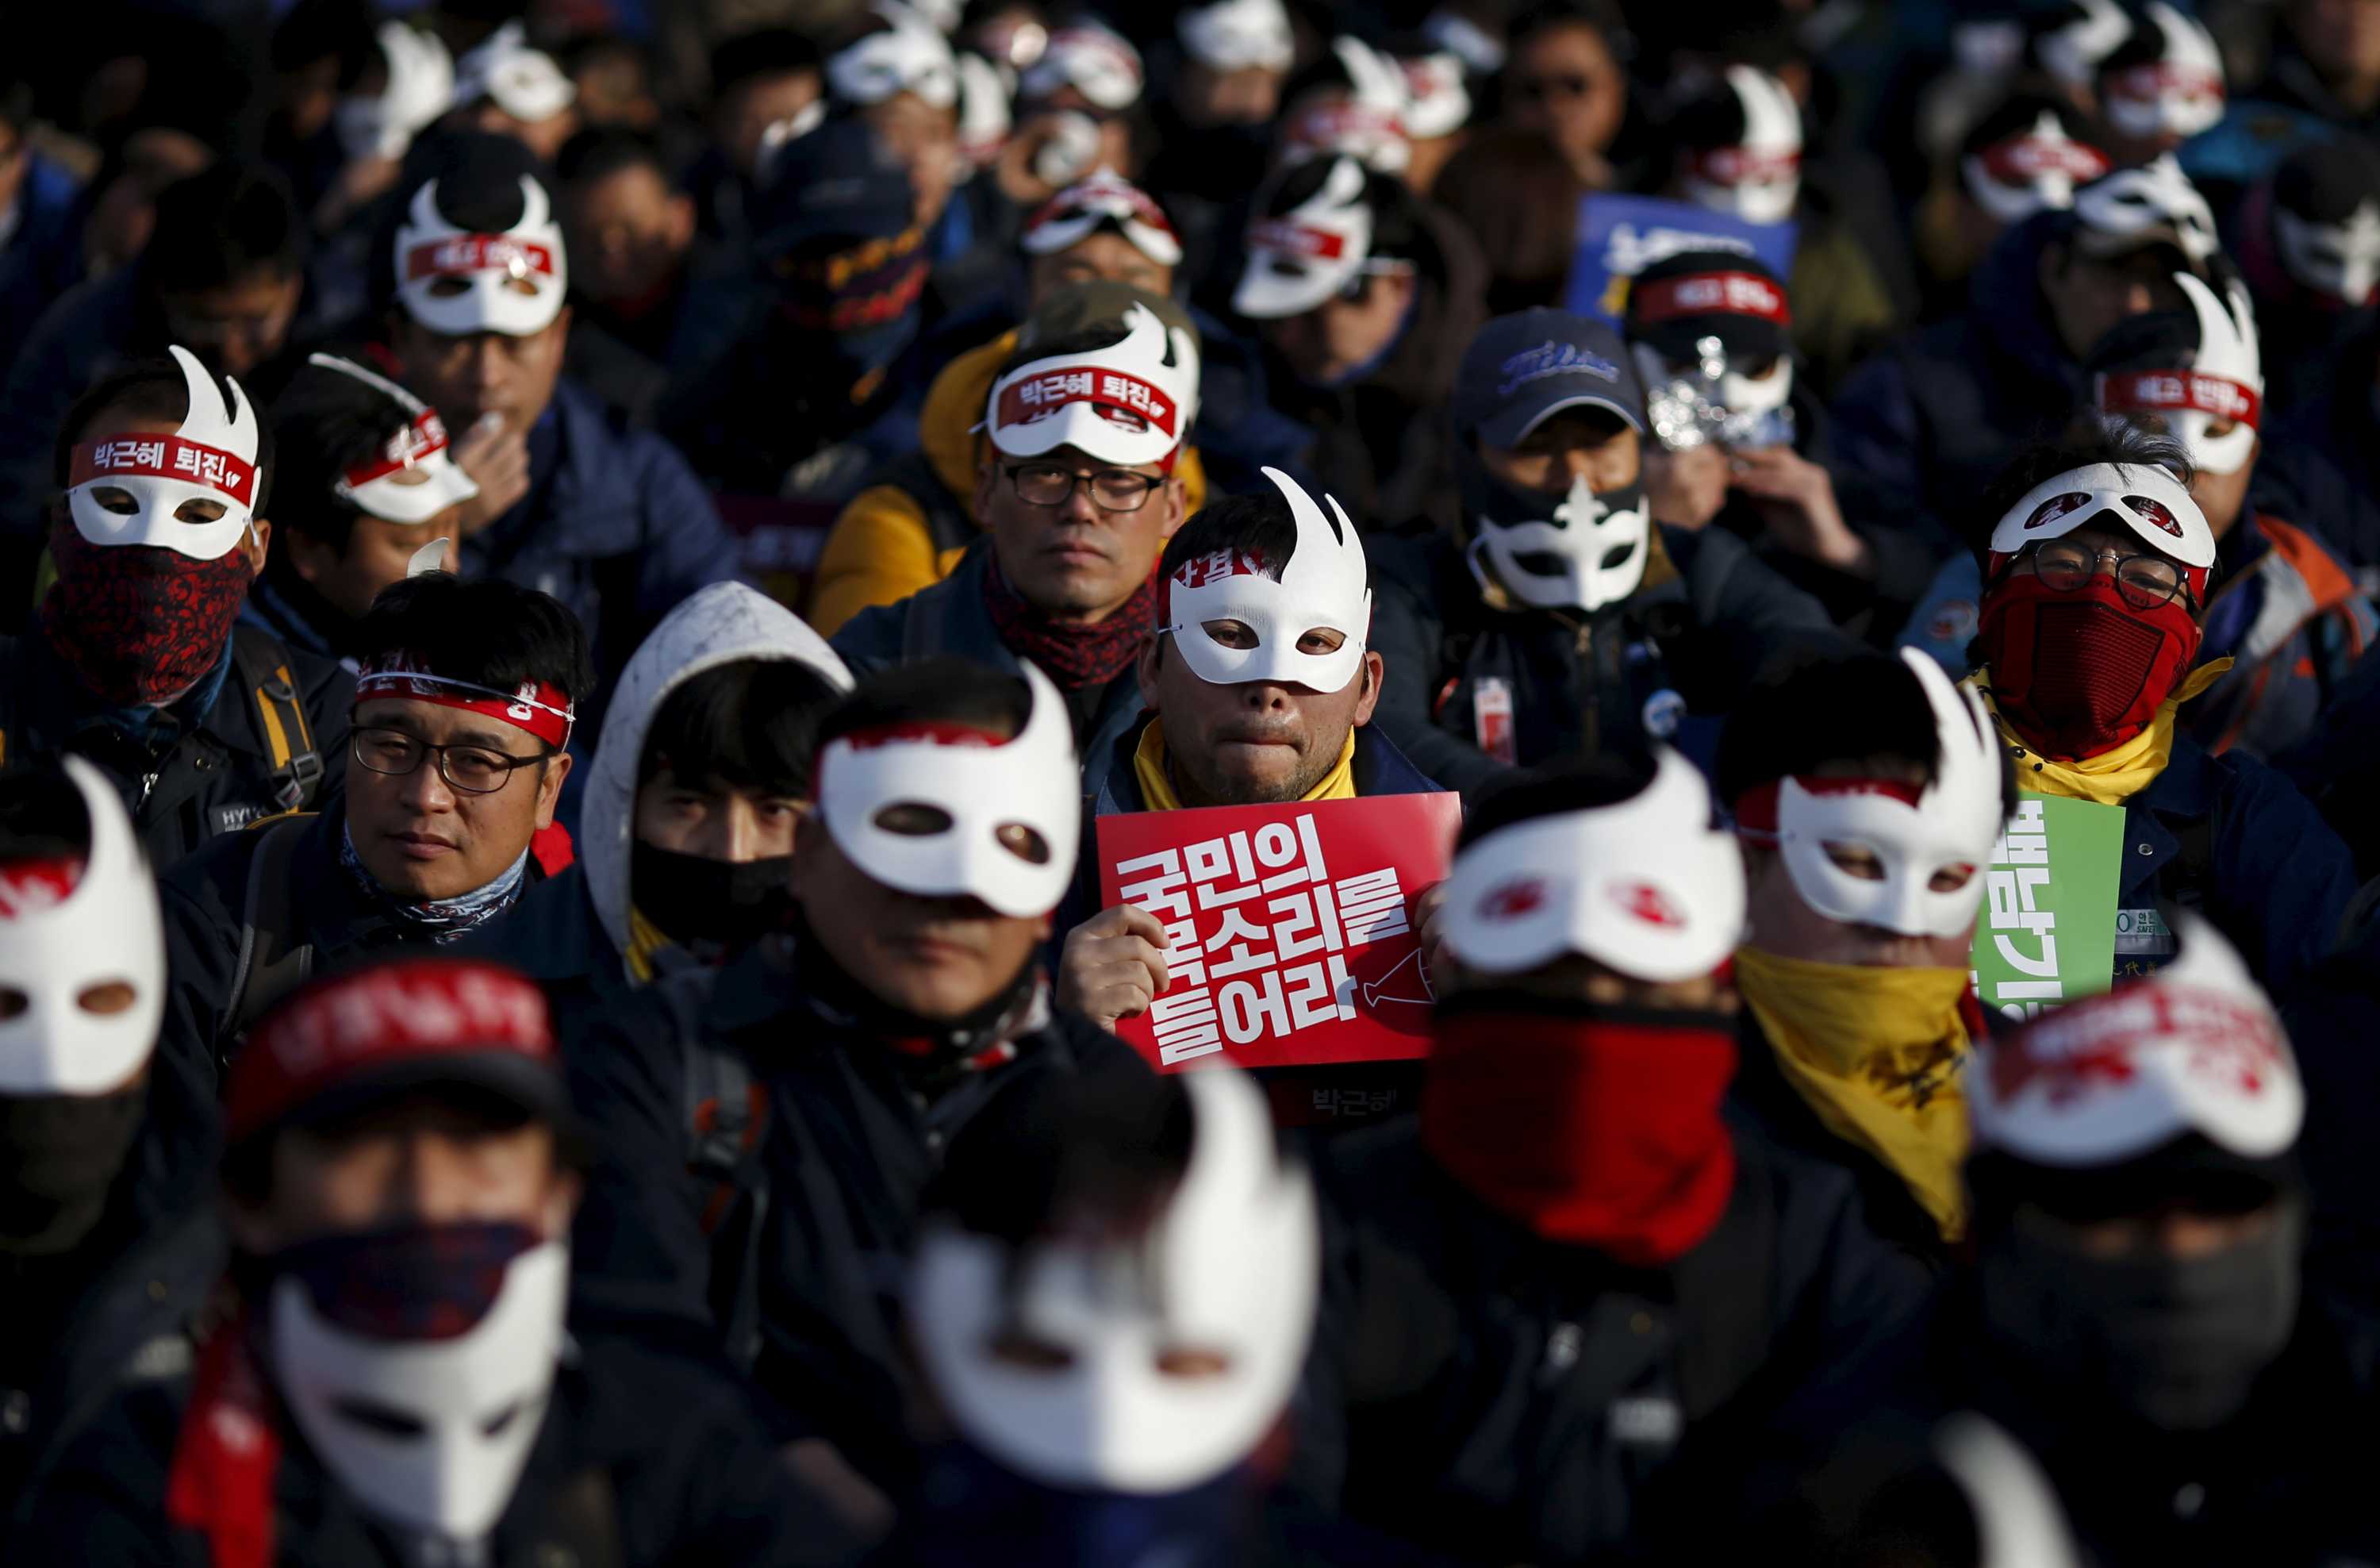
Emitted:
pixel 164 457
pixel 1710 294
pixel 2180 391
pixel 425 436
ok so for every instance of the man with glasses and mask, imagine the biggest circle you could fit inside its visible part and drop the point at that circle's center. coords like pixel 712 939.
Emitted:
pixel 2096 574
pixel 463 714
pixel 1076 493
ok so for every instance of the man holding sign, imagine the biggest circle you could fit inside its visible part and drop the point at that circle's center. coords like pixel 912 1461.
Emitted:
pixel 1867 795
pixel 2095 580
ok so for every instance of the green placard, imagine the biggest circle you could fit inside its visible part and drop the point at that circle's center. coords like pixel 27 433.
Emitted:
pixel 2046 932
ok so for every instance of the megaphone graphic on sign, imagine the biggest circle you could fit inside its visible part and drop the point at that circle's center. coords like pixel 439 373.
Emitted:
pixel 1388 987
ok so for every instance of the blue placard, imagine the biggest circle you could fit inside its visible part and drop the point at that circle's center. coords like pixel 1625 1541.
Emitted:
pixel 1621 235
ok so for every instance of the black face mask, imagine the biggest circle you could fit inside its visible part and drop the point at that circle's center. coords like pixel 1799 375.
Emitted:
pixel 693 898
pixel 59 1155
pixel 2176 1342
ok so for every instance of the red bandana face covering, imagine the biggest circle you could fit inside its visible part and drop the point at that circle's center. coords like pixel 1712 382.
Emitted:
pixel 141 624
pixel 2077 673
pixel 1599 1129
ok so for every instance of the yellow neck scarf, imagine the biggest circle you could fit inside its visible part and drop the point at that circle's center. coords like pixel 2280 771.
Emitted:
pixel 2117 774
pixel 644 939
pixel 1157 785
pixel 1874 1052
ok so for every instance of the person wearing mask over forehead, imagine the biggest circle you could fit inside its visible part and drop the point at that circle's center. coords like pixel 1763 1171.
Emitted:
pixel 895 73
pixel 2308 241
pixel 572 502
pixel 1741 436
pixel 1931 418
pixel 104 1238
pixel 1062 1449
pixel 1561 617
pixel 463 711
pixel 1736 147
pixel 391 90
pixel 906 1008
pixel 1364 297
pixel 369 492
pixel 2025 153
pixel 685 843
pixel 1867 794
pixel 2136 1321
pixel 1258 688
pixel 1219 93
pixel 2097 575
pixel 1572 1261
pixel 1077 488
pixel 638 266
pixel 1352 99
pixel 2160 87
pixel 506 87
pixel 223 276
pixel 136 659
pixel 1077 111
pixel 392 1382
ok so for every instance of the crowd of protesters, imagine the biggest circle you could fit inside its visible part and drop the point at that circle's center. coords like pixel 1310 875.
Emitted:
pixel 588 590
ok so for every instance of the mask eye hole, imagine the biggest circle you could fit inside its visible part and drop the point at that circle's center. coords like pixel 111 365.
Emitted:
pixel 1856 860
pixel 1951 879
pixel 449 288
pixel 1762 370
pixel 14 1004
pixel 1322 639
pixel 1616 558
pixel 1029 1351
pixel 1192 1363
pixel 116 499
pixel 1230 633
pixel 494 1425
pixel 1024 842
pixel 912 818
pixel 381 1420
pixel 106 998
pixel 195 511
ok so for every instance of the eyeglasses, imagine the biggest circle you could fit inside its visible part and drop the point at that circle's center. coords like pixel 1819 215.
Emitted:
pixel 1051 485
pixel 474 770
pixel 2145 580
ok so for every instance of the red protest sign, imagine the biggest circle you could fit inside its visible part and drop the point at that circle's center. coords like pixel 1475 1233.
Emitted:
pixel 1289 928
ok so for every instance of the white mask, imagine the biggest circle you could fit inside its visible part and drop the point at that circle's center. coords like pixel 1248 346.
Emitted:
pixel 2155 195
pixel 911 56
pixel 1095 61
pixel 421 88
pixel 1231 35
pixel 1131 402
pixel 2225 381
pixel 1231 1267
pixel 210 458
pixel 1950 827
pixel 413 477
pixel 1031 782
pixel 517 280
pixel 104 931
pixel 2340 260
pixel 1740 392
pixel 1070 216
pixel 2072 53
pixel 2032 172
pixel 2145 498
pixel 523 83
pixel 1323 588
pixel 452 1477
pixel 1758 180
pixel 2180 93
pixel 1650 886
pixel 1302 257
pixel 1598 554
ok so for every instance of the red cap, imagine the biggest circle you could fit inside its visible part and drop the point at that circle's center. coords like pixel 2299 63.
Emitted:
pixel 345 1042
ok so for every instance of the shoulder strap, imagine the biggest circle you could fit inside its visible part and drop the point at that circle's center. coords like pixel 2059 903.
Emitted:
pixel 264 672
pixel 272 962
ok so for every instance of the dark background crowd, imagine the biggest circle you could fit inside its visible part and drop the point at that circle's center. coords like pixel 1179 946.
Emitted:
pixel 580 581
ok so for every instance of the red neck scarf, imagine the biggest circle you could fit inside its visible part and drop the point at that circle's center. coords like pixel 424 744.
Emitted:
pixel 1599 1130
pixel 221 1480
pixel 2078 673
pixel 1068 652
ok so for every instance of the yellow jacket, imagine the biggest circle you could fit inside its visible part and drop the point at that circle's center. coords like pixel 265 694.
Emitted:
pixel 882 548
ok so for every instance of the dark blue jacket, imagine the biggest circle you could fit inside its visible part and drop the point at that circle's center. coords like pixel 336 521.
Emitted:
pixel 2338 764
pixel 43 258
pixel 951 617
pixel 1931 419
pixel 552 936
pixel 1688 645
pixel 615 525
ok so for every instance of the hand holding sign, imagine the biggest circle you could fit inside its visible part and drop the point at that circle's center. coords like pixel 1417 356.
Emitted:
pixel 1113 965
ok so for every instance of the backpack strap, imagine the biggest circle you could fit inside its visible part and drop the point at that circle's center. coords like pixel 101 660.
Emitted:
pixel 725 1114
pixel 272 962
pixel 264 669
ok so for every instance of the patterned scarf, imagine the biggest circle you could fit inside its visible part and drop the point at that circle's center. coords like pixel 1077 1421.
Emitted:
pixel 439 920
pixel 1068 652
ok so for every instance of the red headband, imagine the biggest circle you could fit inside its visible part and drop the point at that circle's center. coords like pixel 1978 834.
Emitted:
pixel 1711 294
pixel 30 887
pixel 1735 165
pixel 463 254
pixel 930 732
pixel 1039 396
pixel 164 457
pixel 540 709
pixel 2023 159
pixel 2156 78
pixel 1755 810
pixel 2167 391
pixel 1318 244
pixel 425 436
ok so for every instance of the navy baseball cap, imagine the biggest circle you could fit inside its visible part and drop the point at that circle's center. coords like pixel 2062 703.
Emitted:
pixel 1522 369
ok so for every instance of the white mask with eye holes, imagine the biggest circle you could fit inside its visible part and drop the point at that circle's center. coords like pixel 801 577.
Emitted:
pixel 1585 557
pixel 210 461
pixel 1948 833
pixel 429 1434
pixel 1227 1272
pixel 1001 822
pixel 1323 588
pixel 2341 259
pixel 1739 391
pixel 2223 384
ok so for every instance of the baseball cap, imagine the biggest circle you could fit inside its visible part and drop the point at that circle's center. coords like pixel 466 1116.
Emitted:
pixel 346 1041
pixel 1681 299
pixel 1523 368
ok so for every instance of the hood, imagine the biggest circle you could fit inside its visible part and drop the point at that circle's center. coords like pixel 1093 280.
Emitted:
pixel 954 404
pixel 723 623
pixel 2005 298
